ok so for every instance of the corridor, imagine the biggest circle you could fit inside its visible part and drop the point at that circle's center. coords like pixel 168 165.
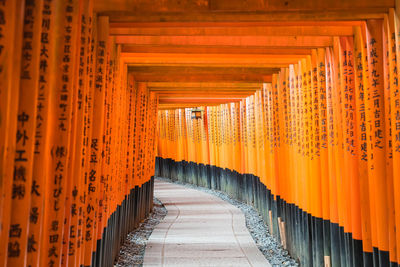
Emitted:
pixel 289 106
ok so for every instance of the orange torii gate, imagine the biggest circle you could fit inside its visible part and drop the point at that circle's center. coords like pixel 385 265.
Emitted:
pixel 66 121
pixel 300 118
pixel 319 144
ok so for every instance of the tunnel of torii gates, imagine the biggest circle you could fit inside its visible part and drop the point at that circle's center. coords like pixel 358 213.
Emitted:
pixel 300 117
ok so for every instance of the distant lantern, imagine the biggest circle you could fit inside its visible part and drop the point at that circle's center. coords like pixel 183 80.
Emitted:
pixel 196 114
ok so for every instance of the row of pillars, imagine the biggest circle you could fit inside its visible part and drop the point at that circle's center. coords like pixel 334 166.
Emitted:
pixel 323 139
pixel 77 137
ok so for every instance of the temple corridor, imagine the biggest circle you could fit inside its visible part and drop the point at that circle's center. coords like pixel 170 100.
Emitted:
pixel 289 106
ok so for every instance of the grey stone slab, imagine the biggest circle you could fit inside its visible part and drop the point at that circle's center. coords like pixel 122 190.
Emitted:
pixel 199 230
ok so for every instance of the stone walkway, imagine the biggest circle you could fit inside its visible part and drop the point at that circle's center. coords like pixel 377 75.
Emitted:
pixel 199 230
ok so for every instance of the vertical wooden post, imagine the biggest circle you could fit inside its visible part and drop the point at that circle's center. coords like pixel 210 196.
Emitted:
pixel 61 107
pixel 18 244
pixel 96 139
pixel 42 131
pixel 10 60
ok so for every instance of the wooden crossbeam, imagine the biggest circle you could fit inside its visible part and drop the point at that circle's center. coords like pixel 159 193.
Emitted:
pixel 282 41
pixel 202 90
pixel 206 85
pixel 174 94
pixel 182 105
pixel 212 60
pixel 200 101
pixel 185 70
pixel 233 24
pixel 201 74
pixel 213 49
pixel 196 98
pixel 212 91
pixel 140 77
pixel 273 16
pixel 143 6
pixel 158 29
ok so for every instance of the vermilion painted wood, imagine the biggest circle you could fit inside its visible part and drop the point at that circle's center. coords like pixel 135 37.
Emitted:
pixel 267 41
pixel 287 93
pixel 164 29
pixel 215 49
pixel 140 6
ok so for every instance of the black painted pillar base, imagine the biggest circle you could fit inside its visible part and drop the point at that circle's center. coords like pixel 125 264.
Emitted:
pixel 309 238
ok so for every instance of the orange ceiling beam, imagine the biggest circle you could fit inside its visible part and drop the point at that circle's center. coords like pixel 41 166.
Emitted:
pixel 214 91
pixel 185 91
pixel 202 6
pixel 233 24
pixel 175 94
pixel 202 78
pixel 182 105
pixel 189 70
pixel 212 49
pixel 197 98
pixel 374 12
pixel 212 60
pixel 282 41
pixel 217 30
pixel 200 101
pixel 157 57
pixel 201 74
pixel 206 85
pixel 201 90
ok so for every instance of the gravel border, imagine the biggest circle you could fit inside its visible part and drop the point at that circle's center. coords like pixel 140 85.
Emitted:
pixel 266 243
pixel 132 250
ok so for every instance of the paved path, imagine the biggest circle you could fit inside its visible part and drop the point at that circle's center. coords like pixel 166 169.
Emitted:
pixel 199 230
